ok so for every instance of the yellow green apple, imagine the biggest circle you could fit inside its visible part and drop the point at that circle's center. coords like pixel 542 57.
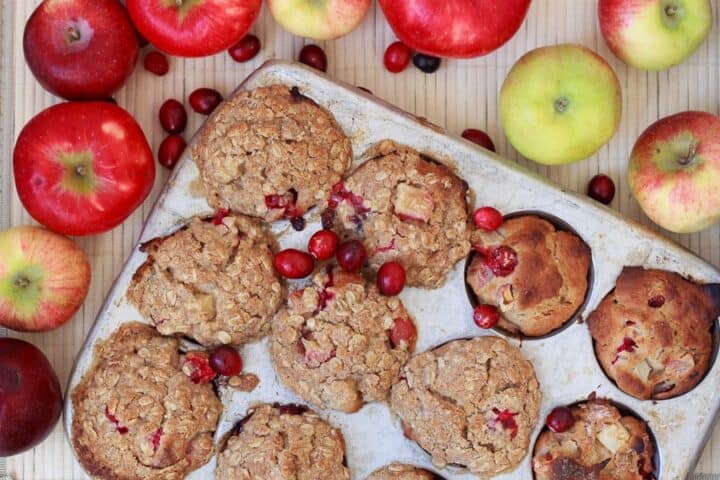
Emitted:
pixel 319 19
pixel 44 278
pixel 560 104
pixel 674 171
pixel 654 34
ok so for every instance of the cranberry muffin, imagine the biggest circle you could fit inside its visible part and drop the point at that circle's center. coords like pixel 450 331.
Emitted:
pixel 399 471
pixel 406 208
pixel 137 415
pixel 653 333
pixel 602 444
pixel 536 275
pixel 283 442
pixel 271 152
pixel 212 281
pixel 339 343
pixel 470 403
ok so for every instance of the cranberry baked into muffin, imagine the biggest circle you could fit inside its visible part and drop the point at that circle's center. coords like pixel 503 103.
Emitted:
pixel 339 343
pixel 137 415
pixel 212 281
pixel 653 333
pixel 472 403
pixel 536 275
pixel 399 471
pixel 271 152
pixel 283 442
pixel 404 207
pixel 602 444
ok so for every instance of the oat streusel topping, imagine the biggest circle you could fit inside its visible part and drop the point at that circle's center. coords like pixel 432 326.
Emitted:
pixel 272 153
pixel 213 281
pixel 339 343
pixel 283 443
pixel 136 415
pixel 399 471
pixel 472 403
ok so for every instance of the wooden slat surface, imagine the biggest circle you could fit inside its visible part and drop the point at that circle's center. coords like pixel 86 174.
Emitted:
pixel 461 94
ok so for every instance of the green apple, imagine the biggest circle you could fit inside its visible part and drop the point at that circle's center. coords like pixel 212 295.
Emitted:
pixel 44 278
pixel 674 171
pixel 654 34
pixel 319 19
pixel 560 104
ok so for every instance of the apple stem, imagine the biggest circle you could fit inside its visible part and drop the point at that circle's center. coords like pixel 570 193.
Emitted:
pixel 561 104
pixel 21 282
pixel 685 160
pixel 81 170
pixel 671 10
pixel 73 34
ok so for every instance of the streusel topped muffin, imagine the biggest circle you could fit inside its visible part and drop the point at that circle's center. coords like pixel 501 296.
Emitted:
pixel 399 471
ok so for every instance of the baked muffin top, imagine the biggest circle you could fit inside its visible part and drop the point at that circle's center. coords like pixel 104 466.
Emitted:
pixel 470 403
pixel 602 444
pixel 271 152
pixel 653 333
pixel 399 471
pixel 404 207
pixel 137 415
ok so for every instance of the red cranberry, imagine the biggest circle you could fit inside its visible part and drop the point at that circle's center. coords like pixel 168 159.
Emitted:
pixel 170 151
pixel 479 137
pixel 488 219
pixel 656 301
pixel 397 57
pixel 245 49
pixel 560 420
pixel 220 215
pixel 314 56
pixel 157 63
pixel 225 360
pixel 173 116
pixel 351 256
pixel 486 316
pixel 197 367
pixel 501 260
pixel 403 331
pixel 602 189
pixel 155 438
pixel 322 244
pixel 205 100
pixel 292 263
pixel 391 278
pixel 506 418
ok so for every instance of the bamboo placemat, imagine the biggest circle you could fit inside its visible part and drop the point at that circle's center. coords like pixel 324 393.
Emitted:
pixel 461 94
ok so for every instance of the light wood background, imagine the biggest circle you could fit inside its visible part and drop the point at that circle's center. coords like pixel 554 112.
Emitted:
pixel 461 94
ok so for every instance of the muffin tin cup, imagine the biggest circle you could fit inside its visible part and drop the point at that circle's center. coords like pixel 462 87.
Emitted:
pixel 565 362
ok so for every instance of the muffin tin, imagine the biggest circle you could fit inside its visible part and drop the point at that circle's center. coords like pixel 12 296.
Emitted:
pixel 564 362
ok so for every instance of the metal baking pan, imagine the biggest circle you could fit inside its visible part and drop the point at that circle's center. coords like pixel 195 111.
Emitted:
pixel 565 363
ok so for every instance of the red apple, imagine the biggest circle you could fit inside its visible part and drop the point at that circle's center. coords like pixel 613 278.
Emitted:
pixel 80 49
pixel 193 28
pixel 82 167
pixel 455 28
pixel 30 398
pixel 44 278
pixel 674 171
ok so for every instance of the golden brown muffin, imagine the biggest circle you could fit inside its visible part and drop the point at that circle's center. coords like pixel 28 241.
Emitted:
pixel 653 333
pixel 601 445
pixel 406 208
pixel 137 414
pixel 339 343
pixel 271 152
pixel 535 275
pixel 283 442
pixel 472 403
pixel 399 471
pixel 212 281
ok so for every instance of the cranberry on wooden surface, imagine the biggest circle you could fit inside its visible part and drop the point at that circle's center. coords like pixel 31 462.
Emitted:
pixel 403 330
pixel 225 360
pixel 205 100
pixel 397 57
pixel 602 189
pixel 245 49
pixel 560 420
pixel 486 316
pixel 292 263
pixel 391 278
pixel 173 116
pixel 426 63
pixel 479 137
pixel 488 219
pixel 157 63
pixel 313 56
pixel 351 256
pixel 170 151
pixel 323 244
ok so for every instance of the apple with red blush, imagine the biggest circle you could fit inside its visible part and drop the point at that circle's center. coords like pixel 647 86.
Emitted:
pixel 319 19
